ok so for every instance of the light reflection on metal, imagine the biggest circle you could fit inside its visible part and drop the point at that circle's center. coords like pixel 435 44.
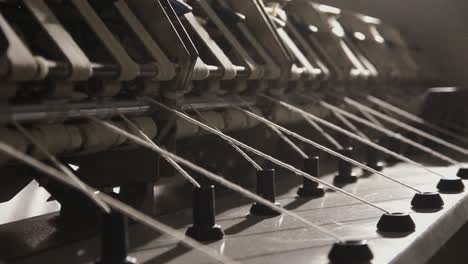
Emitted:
pixel 359 36
pixel 328 9
pixel 376 34
pixel 370 20
pixel 313 28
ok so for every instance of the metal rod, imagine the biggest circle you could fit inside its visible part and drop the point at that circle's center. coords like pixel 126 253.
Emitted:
pixel 60 112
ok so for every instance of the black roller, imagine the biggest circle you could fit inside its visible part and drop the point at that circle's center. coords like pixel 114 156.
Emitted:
pixel 114 241
pixel 396 223
pixel 463 173
pixel 310 188
pixel 345 169
pixel 204 227
pixel 373 158
pixel 266 189
pixel 350 251
pixel 427 200
pixel 452 185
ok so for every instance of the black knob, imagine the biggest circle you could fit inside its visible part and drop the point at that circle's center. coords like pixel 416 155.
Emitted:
pixel 204 226
pixel 345 169
pixel 396 223
pixel 374 158
pixel 350 251
pixel 114 240
pixel 427 201
pixel 451 185
pixel 463 173
pixel 267 190
pixel 309 187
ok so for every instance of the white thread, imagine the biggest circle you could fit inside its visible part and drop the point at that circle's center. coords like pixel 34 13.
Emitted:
pixel 114 203
pixel 414 118
pixel 281 135
pixel 406 126
pixel 360 139
pixel 213 176
pixel 168 159
pixel 350 125
pixel 336 154
pixel 397 136
pixel 273 160
pixel 236 148
pixel 83 187
pixel 289 142
pixel 323 132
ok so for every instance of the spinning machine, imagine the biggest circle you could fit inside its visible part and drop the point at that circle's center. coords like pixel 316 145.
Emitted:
pixel 219 131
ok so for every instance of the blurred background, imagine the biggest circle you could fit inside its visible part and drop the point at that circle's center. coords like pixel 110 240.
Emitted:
pixel 437 28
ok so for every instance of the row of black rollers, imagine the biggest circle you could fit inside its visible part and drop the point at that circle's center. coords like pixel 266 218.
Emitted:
pixel 205 229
